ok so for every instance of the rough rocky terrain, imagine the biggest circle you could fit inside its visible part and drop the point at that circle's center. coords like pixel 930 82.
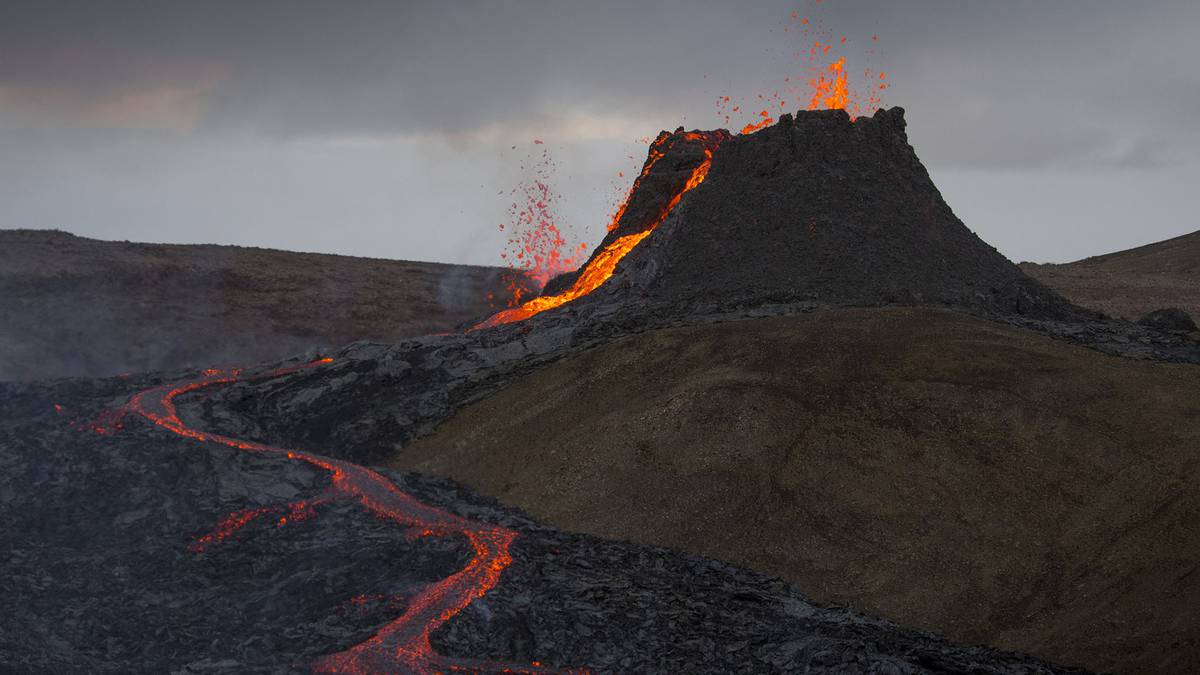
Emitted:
pixel 1130 284
pixel 98 576
pixel 941 470
pixel 71 306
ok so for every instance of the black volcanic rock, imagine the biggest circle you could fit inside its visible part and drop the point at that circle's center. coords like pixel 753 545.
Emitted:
pixel 820 208
pixel 1170 318
pixel 559 283
pixel 98 577
pixel 670 162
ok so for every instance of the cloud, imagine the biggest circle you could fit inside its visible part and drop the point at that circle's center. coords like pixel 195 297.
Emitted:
pixel 174 106
pixel 223 119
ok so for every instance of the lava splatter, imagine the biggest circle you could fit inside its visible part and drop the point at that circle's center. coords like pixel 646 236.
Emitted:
pixel 602 264
pixel 537 248
pixel 826 85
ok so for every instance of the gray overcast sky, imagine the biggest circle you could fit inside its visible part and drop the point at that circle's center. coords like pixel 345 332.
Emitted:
pixel 1055 130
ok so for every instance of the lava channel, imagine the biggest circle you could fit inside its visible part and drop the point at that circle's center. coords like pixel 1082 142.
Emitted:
pixel 403 644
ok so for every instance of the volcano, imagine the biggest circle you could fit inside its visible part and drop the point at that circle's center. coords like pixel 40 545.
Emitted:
pixel 816 207
pixel 231 513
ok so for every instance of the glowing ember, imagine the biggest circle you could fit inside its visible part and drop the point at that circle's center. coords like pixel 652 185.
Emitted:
pixel 403 644
pixel 537 249
pixel 604 262
pixel 831 92
pixel 827 85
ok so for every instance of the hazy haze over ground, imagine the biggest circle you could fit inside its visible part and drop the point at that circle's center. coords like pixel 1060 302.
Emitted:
pixel 1055 130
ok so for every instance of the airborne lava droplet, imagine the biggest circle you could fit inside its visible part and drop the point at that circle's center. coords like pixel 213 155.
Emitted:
pixel 602 264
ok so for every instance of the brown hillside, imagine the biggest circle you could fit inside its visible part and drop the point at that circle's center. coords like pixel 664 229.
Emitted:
pixel 946 472
pixel 1129 284
pixel 72 306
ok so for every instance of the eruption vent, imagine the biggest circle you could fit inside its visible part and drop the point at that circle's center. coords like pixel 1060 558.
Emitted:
pixel 819 208
pixel 815 207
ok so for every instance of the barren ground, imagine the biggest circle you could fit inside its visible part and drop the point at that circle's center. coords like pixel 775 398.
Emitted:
pixel 927 466
pixel 72 306
pixel 1129 284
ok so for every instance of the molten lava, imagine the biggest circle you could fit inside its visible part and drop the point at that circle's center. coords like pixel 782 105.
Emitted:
pixel 828 85
pixel 537 248
pixel 831 92
pixel 403 644
pixel 604 262
pixel 829 88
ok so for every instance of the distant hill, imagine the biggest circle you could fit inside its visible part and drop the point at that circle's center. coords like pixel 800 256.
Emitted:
pixel 1129 284
pixel 72 306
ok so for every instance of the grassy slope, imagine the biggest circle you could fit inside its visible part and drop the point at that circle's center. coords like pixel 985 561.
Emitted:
pixel 927 466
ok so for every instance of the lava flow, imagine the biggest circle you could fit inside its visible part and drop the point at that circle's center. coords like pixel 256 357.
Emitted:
pixel 600 267
pixel 403 644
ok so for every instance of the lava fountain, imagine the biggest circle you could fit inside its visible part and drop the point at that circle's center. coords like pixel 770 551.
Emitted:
pixel 604 261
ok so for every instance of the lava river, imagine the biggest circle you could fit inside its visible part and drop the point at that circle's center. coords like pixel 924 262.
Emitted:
pixel 403 644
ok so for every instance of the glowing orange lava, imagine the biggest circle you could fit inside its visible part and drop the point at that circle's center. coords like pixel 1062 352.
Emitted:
pixel 831 92
pixel 403 644
pixel 601 266
pixel 537 248
pixel 827 87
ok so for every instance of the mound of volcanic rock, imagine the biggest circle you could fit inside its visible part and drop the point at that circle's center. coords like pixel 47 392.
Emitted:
pixel 820 208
